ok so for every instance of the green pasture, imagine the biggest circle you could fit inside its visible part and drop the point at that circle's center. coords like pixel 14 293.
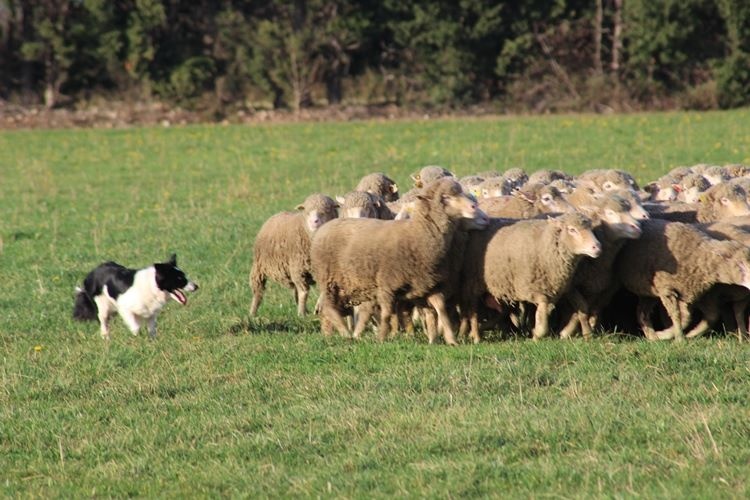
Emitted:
pixel 222 404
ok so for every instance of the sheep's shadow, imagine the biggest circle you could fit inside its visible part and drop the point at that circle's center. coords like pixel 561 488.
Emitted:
pixel 271 325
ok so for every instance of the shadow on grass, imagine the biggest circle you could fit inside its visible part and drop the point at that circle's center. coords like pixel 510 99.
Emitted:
pixel 273 325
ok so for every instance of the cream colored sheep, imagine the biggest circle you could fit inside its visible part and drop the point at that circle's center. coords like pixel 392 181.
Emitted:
pixel 282 249
pixel 357 261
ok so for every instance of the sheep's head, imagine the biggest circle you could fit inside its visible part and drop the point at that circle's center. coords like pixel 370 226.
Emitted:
pixel 714 174
pixel 358 205
pixel 576 233
pixel 454 202
pixel 514 178
pixel 636 207
pixel 492 188
pixel 428 174
pixel 548 198
pixel 662 190
pixel 318 209
pixel 690 188
pixel 618 179
pixel 614 211
pixel 729 200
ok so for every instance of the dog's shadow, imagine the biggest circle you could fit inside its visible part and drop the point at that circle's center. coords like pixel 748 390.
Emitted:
pixel 260 325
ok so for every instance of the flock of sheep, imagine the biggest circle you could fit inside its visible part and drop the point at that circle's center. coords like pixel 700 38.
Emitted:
pixel 541 252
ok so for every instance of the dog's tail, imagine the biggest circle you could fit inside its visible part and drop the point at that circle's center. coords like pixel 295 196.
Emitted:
pixel 84 308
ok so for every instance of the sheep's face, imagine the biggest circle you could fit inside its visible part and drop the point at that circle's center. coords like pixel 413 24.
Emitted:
pixel 690 195
pixel 359 205
pixel 668 192
pixel 735 204
pixel 318 209
pixel 622 224
pixel 461 206
pixel 391 192
pixel 552 201
pixel 365 212
pixel 494 189
pixel 578 236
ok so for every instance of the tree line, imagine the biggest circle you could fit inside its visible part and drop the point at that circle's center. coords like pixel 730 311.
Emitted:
pixel 534 55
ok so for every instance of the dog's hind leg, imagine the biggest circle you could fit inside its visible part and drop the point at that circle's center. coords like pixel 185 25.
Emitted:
pixel 103 314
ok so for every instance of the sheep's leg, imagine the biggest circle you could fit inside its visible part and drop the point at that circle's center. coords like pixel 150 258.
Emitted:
pixel 579 306
pixel 332 314
pixel 258 285
pixel 430 322
pixel 672 305
pixel 586 329
pixel 571 327
pixel 405 319
pixel 301 290
pixel 541 324
pixel 437 301
pixel 385 301
pixel 710 310
pixel 364 313
pixel 643 313
pixel 738 308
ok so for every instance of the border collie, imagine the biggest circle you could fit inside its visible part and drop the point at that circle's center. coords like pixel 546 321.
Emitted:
pixel 137 294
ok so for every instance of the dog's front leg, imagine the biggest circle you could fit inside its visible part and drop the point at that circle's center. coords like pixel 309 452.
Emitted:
pixel 152 327
pixel 132 322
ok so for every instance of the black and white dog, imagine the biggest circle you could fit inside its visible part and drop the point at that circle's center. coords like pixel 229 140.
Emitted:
pixel 137 294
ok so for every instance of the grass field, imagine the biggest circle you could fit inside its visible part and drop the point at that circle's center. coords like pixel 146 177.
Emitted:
pixel 224 405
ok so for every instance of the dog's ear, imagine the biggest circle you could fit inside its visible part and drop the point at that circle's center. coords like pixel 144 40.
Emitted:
pixel 173 260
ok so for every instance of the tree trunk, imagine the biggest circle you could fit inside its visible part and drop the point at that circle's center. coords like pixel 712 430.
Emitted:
pixel 598 20
pixel 617 40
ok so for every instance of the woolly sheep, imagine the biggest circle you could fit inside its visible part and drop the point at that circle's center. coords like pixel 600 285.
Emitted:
pixel 428 174
pixel 492 188
pixel 514 178
pixel 526 260
pixel 380 184
pixel 609 179
pixel 360 204
pixel 690 188
pixel 282 249
pixel 735 170
pixel 713 173
pixel 593 282
pixel 677 264
pixel 363 260
pixel 545 176
pixel 722 201
pixel 532 200
pixel 717 203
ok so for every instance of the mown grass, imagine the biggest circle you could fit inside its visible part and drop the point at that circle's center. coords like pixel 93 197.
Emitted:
pixel 224 405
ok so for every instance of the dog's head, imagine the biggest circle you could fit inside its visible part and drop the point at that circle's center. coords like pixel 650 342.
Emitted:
pixel 172 280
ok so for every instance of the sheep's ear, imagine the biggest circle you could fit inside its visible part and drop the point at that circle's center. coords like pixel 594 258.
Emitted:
pixel 173 259
pixel 415 177
pixel 394 188
pixel 651 187
pixel 677 188
pixel 340 199
pixel 299 207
